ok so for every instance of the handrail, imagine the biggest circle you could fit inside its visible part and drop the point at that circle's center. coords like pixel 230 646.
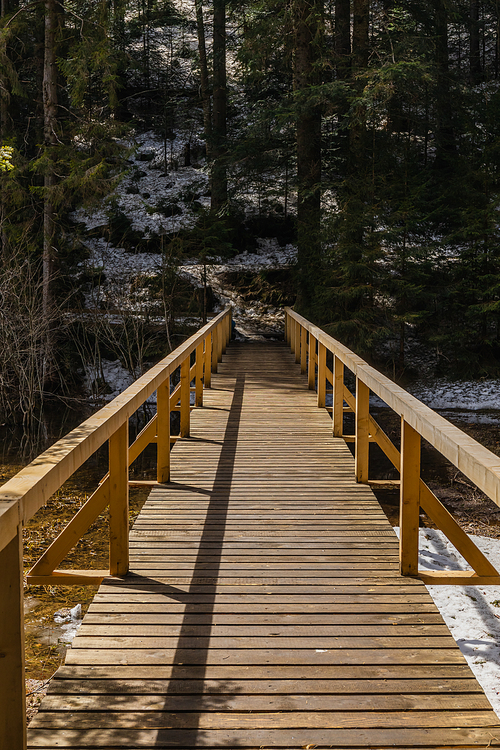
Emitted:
pixel 310 344
pixel 25 493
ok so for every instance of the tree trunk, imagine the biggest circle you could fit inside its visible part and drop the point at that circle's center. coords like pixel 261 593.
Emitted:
pixel 50 142
pixel 360 25
pixel 445 137
pixel 308 26
pixel 204 80
pixel 474 53
pixel 357 130
pixel 6 7
pixel 343 38
pixel 219 131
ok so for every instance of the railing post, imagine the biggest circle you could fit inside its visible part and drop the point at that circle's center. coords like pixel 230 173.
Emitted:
pixel 223 335
pixel 362 439
pixel 292 335
pixel 311 363
pixel 303 349
pixel 298 337
pixel 163 432
pixel 220 339
pixel 229 326
pixel 207 377
pixel 198 376
pixel 287 337
pixel 321 375
pixel 185 412
pixel 215 348
pixel 338 397
pixel 409 500
pixel 12 689
pixel 118 502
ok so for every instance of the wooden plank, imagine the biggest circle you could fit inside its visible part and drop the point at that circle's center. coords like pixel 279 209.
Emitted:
pixel 265 607
pixel 311 619
pixel 404 738
pixel 221 656
pixel 118 501
pixel 36 483
pixel 438 513
pixel 163 432
pixel 409 500
pixel 321 375
pixel 70 535
pixel 227 674
pixel 362 431
pixel 473 459
pixel 12 689
pixel 338 397
pixel 250 632
pixel 153 686
pixel 199 375
pixel 185 398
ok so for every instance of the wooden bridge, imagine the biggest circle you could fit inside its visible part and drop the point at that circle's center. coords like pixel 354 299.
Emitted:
pixel 262 598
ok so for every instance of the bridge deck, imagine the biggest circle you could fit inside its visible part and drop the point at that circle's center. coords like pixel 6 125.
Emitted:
pixel 264 608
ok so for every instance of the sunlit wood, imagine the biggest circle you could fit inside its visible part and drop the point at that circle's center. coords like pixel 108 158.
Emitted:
pixel 409 500
pixel 12 690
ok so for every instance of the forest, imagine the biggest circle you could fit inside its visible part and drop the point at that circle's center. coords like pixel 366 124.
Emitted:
pixel 364 133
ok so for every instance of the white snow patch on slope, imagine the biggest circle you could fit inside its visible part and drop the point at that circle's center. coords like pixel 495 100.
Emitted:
pixel 462 394
pixel 472 613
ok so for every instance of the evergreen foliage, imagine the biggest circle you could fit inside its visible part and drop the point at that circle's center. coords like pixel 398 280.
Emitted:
pixel 367 132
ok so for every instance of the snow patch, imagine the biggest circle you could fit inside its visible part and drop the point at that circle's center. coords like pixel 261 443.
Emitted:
pixel 472 613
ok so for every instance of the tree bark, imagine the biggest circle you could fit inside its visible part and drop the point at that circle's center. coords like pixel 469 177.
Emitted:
pixel 50 142
pixel 445 136
pixel 474 50
pixel 360 53
pixel 360 25
pixel 219 130
pixel 308 26
pixel 204 79
pixel 343 38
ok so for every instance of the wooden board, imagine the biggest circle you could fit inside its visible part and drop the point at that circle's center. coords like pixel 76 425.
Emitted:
pixel 264 606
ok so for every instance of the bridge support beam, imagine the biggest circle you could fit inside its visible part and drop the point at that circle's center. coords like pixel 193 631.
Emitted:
pixel 118 502
pixel 409 500
pixel 207 379
pixel 198 377
pixel 163 433
pixel 338 397
pixel 362 431
pixel 215 349
pixel 185 398
pixel 311 363
pixel 321 375
pixel 12 690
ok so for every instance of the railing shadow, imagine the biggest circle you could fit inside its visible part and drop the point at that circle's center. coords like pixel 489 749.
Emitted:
pixel 211 543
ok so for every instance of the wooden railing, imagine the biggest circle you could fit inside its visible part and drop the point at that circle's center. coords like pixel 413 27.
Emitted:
pixel 25 493
pixel 310 346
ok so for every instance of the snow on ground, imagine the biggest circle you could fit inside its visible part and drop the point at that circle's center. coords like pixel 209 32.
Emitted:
pixel 469 396
pixel 117 264
pixel 472 613
pixel 148 196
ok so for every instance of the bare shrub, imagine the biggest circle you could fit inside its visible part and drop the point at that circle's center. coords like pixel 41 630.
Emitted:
pixel 23 337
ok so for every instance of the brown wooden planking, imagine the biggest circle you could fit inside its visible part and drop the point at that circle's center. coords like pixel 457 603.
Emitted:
pixel 270 641
pixel 258 739
pixel 282 619
pixel 216 718
pixel 202 647
pixel 227 701
pixel 251 656
pixel 230 673
pixel 415 688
